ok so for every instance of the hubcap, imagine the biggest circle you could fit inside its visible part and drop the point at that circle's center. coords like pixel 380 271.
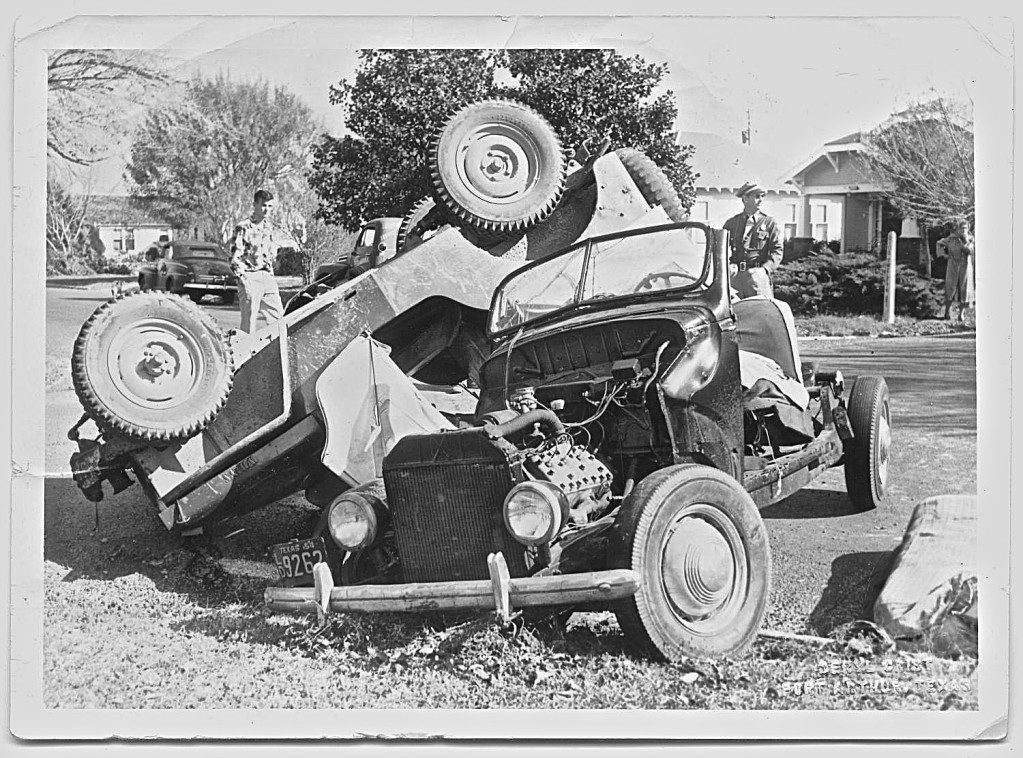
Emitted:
pixel 155 364
pixel 704 566
pixel 884 445
pixel 498 163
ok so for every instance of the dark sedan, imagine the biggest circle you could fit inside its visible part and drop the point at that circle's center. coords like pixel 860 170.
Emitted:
pixel 189 267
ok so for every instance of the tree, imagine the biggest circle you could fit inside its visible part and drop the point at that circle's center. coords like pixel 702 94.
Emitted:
pixel 209 150
pixel 923 158
pixel 72 244
pixel 91 95
pixel 399 98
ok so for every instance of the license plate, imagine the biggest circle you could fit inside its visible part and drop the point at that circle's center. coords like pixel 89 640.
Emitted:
pixel 295 559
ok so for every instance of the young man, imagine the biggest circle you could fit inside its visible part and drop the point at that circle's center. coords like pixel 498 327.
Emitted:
pixel 755 244
pixel 253 250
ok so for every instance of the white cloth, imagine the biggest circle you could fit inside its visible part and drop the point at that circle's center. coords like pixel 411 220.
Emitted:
pixel 753 366
pixel 258 296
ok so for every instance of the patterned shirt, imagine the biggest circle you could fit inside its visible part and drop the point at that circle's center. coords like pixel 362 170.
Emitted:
pixel 253 247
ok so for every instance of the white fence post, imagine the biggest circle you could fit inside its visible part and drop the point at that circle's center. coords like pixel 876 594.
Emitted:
pixel 889 293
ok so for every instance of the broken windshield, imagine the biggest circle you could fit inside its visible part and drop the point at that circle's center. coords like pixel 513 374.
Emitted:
pixel 667 258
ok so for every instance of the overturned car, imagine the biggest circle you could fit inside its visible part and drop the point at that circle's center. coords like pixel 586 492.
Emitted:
pixel 626 417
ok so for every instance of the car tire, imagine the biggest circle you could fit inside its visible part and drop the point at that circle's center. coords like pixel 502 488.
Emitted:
pixel 227 298
pixel 498 166
pixel 868 453
pixel 196 297
pixel 653 183
pixel 411 229
pixel 696 539
pixel 151 366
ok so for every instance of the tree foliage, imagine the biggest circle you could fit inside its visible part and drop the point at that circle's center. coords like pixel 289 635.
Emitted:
pixel 91 98
pixel 399 98
pixel 211 148
pixel 923 157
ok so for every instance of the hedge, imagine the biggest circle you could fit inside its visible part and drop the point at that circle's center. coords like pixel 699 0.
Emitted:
pixel 853 283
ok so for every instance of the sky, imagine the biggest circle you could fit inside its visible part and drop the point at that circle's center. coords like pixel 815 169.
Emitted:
pixel 804 81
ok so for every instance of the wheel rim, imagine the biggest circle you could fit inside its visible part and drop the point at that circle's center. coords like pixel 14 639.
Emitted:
pixel 704 569
pixel 497 163
pixel 155 363
pixel 884 445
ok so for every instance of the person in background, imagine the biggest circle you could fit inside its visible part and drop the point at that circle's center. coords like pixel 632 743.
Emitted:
pixel 253 249
pixel 755 244
pixel 958 247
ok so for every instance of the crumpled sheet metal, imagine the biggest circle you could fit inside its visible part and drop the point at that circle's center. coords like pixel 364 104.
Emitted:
pixel 929 601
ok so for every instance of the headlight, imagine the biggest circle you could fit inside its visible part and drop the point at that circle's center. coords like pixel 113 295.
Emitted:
pixel 533 512
pixel 692 370
pixel 352 522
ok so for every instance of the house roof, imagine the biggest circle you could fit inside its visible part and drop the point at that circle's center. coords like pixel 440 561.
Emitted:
pixel 724 164
pixel 850 143
pixel 124 210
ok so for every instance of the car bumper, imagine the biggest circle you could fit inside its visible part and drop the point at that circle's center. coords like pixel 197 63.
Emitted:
pixel 482 594
pixel 201 287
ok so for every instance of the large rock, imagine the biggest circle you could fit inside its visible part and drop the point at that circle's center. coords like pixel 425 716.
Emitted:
pixel 930 599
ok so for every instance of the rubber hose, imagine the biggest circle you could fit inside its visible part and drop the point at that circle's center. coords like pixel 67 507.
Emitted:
pixel 550 424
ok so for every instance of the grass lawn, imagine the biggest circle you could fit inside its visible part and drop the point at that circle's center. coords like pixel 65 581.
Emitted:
pixel 870 326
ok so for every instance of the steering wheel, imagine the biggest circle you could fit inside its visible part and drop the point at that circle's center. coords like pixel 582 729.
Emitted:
pixel 649 279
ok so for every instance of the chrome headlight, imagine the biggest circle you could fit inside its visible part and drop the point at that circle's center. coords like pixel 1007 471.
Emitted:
pixel 351 521
pixel 692 370
pixel 534 512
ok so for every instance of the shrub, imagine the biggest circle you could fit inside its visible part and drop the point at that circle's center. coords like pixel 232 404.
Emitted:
pixel 290 262
pixel 853 284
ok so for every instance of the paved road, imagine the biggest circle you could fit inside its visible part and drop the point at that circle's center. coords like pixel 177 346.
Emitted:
pixel 826 558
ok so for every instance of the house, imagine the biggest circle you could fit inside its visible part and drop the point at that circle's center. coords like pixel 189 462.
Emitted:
pixel 724 166
pixel 839 200
pixel 127 225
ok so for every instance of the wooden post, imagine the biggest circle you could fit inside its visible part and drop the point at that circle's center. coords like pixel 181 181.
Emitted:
pixel 925 233
pixel 889 295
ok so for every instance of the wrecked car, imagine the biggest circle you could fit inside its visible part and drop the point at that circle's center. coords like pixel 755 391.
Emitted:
pixel 629 421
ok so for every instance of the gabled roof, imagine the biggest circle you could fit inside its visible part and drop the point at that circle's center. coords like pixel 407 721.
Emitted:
pixel 125 210
pixel 726 165
pixel 850 143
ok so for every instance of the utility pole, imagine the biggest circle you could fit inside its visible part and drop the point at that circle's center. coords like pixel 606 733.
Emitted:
pixel 747 134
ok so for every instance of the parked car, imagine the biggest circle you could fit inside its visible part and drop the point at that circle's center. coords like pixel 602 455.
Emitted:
pixel 189 267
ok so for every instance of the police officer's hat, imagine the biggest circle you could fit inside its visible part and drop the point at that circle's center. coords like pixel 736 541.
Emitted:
pixel 750 186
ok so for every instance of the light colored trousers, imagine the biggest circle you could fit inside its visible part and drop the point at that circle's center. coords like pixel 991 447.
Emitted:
pixel 258 296
pixel 752 282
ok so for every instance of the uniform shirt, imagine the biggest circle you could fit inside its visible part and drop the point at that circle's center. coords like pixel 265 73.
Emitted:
pixel 253 247
pixel 755 240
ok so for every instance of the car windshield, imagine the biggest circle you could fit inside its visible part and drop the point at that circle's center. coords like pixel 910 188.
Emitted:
pixel 672 258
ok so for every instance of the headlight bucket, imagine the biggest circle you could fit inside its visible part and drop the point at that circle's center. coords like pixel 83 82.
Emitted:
pixel 694 367
pixel 534 512
pixel 352 521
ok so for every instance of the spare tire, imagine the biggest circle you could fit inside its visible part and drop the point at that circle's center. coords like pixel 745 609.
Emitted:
pixel 653 183
pixel 499 166
pixel 151 366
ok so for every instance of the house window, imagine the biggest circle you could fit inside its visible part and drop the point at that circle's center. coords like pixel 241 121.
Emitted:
pixel 118 240
pixel 790 231
pixel 129 239
pixel 820 231
pixel 791 215
pixel 819 218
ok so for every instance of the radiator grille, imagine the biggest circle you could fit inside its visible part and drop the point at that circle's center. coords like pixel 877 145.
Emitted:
pixel 446 493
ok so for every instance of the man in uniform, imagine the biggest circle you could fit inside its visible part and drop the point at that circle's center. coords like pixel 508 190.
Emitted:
pixel 253 250
pixel 755 244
